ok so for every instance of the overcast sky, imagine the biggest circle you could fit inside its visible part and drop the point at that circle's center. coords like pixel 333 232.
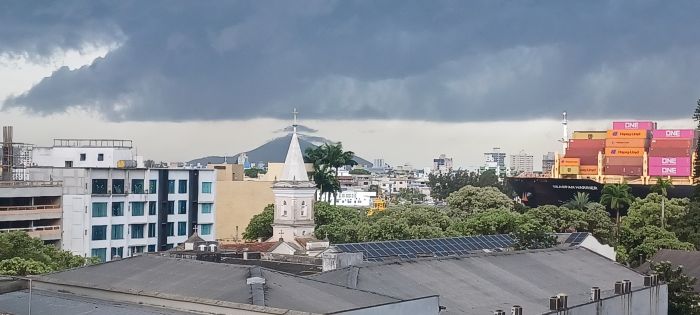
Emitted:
pixel 404 80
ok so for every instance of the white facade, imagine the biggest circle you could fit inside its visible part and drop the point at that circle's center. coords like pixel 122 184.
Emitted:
pixel 521 163
pixel 101 219
pixel 351 198
pixel 82 156
pixel 442 165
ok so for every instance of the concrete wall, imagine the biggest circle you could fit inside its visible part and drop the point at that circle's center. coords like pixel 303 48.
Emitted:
pixel 421 306
pixel 236 203
pixel 58 156
pixel 647 301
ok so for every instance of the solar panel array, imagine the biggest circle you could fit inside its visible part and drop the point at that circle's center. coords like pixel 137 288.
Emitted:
pixel 439 247
pixel 576 238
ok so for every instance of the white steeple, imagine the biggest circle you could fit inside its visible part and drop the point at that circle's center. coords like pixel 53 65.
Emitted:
pixel 294 169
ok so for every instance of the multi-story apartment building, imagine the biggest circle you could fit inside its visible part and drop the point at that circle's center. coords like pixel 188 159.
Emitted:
pixel 548 162
pixel 521 163
pixel 442 164
pixel 118 208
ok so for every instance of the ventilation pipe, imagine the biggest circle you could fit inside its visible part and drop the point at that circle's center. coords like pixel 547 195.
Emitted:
pixel 516 310
pixel 595 294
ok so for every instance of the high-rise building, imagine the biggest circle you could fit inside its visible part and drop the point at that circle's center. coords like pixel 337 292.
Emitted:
pixel 521 163
pixel 548 162
pixel 442 164
pixel 495 161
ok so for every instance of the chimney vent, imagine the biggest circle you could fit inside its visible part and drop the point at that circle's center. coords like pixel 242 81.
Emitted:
pixel 628 286
pixel 499 312
pixel 619 287
pixel 595 294
pixel 516 310
pixel 563 300
pixel 648 280
pixel 554 303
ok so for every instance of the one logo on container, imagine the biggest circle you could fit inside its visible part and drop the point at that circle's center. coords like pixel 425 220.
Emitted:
pixel 632 125
pixel 668 170
pixel 668 161
pixel 673 133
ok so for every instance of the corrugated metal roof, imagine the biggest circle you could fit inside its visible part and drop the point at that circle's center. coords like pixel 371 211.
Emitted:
pixel 482 283
pixel 215 281
pixel 689 259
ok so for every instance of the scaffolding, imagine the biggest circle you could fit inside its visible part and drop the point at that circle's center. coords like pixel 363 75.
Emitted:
pixel 16 157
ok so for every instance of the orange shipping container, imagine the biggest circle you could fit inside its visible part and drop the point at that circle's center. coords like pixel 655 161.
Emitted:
pixel 628 134
pixel 588 170
pixel 624 151
pixel 569 170
pixel 570 162
pixel 626 143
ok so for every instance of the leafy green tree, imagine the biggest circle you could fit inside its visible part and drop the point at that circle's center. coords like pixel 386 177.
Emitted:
pixel 329 156
pixel 498 221
pixel 488 178
pixel 260 225
pixel 359 171
pixel 642 243
pixel 254 172
pixel 599 223
pixel 326 181
pixel 560 219
pixel 687 226
pixel 682 298
pixel 532 235
pixel 581 201
pixel 442 185
pixel 647 211
pixel 470 199
pixel 410 196
pixel 21 254
pixel 661 187
pixel 617 197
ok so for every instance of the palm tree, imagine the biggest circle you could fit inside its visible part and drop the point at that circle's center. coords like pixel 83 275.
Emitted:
pixel 330 156
pixel 581 201
pixel 325 181
pixel 616 196
pixel 661 187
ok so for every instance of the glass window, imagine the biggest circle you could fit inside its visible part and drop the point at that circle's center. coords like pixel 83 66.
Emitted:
pixel 171 207
pixel 99 186
pixel 117 209
pixel 206 229
pixel 151 248
pixel 118 186
pixel 83 156
pixel 182 228
pixel 170 229
pixel 99 209
pixel 100 157
pixel 137 208
pixel 206 207
pixel 151 230
pixel 137 231
pixel 171 186
pixel 182 207
pixel 152 186
pixel 118 231
pixel 117 251
pixel 137 249
pixel 169 246
pixel 182 186
pixel 100 253
pixel 137 186
pixel 206 187
pixel 99 232
pixel 152 208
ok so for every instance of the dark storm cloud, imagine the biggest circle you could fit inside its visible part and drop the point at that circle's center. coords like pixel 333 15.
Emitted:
pixel 426 60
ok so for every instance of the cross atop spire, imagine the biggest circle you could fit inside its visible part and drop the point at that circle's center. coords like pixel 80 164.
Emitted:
pixel 295 113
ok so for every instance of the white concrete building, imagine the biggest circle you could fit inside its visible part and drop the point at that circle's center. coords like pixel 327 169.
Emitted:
pixel 521 163
pixel 112 207
pixel 351 198
pixel 442 164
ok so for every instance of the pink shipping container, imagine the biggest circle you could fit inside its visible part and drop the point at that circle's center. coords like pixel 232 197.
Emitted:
pixel 680 161
pixel 625 125
pixel 623 170
pixel 672 143
pixel 673 134
pixel 655 151
pixel 669 171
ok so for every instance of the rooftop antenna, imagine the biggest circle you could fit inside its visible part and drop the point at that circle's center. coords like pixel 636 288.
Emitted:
pixel 565 128
pixel 295 113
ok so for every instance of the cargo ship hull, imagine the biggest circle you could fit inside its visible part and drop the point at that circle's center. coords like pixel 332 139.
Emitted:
pixel 556 191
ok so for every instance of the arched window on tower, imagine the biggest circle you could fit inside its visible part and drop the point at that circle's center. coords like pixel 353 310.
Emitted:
pixel 303 208
pixel 284 208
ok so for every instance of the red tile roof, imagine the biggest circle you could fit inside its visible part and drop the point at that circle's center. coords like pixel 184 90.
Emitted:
pixel 262 247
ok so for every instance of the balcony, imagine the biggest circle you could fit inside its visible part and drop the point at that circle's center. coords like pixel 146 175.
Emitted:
pixel 22 213
pixel 45 233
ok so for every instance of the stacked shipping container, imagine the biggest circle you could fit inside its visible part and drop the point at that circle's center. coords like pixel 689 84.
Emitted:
pixel 625 146
pixel 670 152
pixel 584 146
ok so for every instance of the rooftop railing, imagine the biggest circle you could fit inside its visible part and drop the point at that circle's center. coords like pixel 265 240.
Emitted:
pixel 29 183
pixel 33 228
pixel 92 143
pixel 23 208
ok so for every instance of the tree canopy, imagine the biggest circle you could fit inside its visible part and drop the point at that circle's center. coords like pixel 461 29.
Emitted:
pixel 682 298
pixel 21 255
pixel 260 226
pixel 470 199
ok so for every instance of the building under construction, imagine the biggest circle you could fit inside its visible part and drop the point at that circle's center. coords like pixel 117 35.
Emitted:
pixel 34 207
